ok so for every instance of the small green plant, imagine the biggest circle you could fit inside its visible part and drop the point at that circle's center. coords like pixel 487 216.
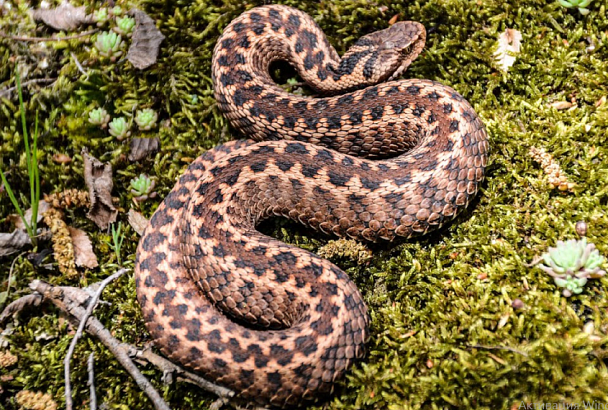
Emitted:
pixel 571 284
pixel 31 158
pixel 108 44
pixel 572 263
pixel 146 119
pixel 124 25
pixel 142 188
pixel 100 117
pixel 117 239
pixel 119 128
pixel 116 11
pixel 581 5
pixel 101 16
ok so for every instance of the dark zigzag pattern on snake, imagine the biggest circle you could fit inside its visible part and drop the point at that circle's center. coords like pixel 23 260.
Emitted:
pixel 276 324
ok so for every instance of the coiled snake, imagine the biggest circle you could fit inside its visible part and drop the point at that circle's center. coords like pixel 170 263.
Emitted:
pixel 273 322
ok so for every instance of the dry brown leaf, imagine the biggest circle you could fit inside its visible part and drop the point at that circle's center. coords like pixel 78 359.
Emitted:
pixel 393 19
pixel 61 158
pixel 561 105
pixel 64 17
pixel 13 242
pixel 43 206
pixel 137 221
pixel 98 178
pixel 509 43
pixel 143 147
pixel 83 249
pixel 146 40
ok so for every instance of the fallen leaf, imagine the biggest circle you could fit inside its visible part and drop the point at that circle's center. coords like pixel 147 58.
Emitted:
pixel 98 178
pixel 61 158
pixel 43 206
pixel 143 147
pixel 13 242
pixel 145 42
pixel 137 221
pixel 64 17
pixel 83 249
pixel 509 43
pixel 561 105
pixel 503 321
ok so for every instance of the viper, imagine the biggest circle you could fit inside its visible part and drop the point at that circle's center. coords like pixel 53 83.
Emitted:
pixel 374 159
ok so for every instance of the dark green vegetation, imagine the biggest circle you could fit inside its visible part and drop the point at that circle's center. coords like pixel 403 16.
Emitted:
pixel 431 299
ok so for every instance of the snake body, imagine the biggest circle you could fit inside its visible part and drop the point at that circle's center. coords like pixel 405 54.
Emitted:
pixel 277 324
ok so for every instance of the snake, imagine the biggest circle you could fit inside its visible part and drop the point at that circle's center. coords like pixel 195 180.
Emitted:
pixel 369 157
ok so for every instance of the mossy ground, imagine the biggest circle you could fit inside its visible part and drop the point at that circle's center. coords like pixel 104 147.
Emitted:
pixel 431 299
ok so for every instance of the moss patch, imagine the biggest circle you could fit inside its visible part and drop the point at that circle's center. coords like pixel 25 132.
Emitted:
pixel 444 332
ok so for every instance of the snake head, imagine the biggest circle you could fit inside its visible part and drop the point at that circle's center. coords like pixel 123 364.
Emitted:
pixel 393 48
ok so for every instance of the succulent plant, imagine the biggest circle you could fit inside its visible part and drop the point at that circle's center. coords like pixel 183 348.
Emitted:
pixel 571 284
pixel 119 128
pixel 571 263
pixel 116 11
pixel 101 16
pixel 100 117
pixel 142 188
pixel 146 119
pixel 581 5
pixel 108 44
pixel 124 25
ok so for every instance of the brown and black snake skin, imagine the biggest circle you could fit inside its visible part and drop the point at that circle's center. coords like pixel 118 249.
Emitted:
pixel 277 324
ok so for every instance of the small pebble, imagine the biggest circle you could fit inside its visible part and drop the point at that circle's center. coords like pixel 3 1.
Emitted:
pixel 581 228
pixel 517 304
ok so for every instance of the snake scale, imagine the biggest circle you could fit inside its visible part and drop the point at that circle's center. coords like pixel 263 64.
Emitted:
pixel 375 160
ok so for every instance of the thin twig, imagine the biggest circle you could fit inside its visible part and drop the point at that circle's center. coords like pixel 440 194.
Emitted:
pixel 510 349
pixel 169 367
pixel 67 299
pixel 78 64
pixel 91 369
pixel 17 306
pixel 83 322
pixel 71 301
pixel 54 38
pixel 9 90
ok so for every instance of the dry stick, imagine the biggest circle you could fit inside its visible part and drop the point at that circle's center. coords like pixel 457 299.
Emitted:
pixel 9 90
pixel 169 367
pixel 91 369
pixel 78 65
pixel 20 304
pixel 71 300
pixel 83 322
pixel 66 299
pixel 25 38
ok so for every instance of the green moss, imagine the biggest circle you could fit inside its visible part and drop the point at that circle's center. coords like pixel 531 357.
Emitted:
pixel 441 306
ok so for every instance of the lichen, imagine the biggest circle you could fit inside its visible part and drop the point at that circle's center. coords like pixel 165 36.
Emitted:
pixel 7 359
pixel 30 400
pixel 432 299
pixel 344 248
pixel 63 249
pixel 556 177
pixel 70 198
